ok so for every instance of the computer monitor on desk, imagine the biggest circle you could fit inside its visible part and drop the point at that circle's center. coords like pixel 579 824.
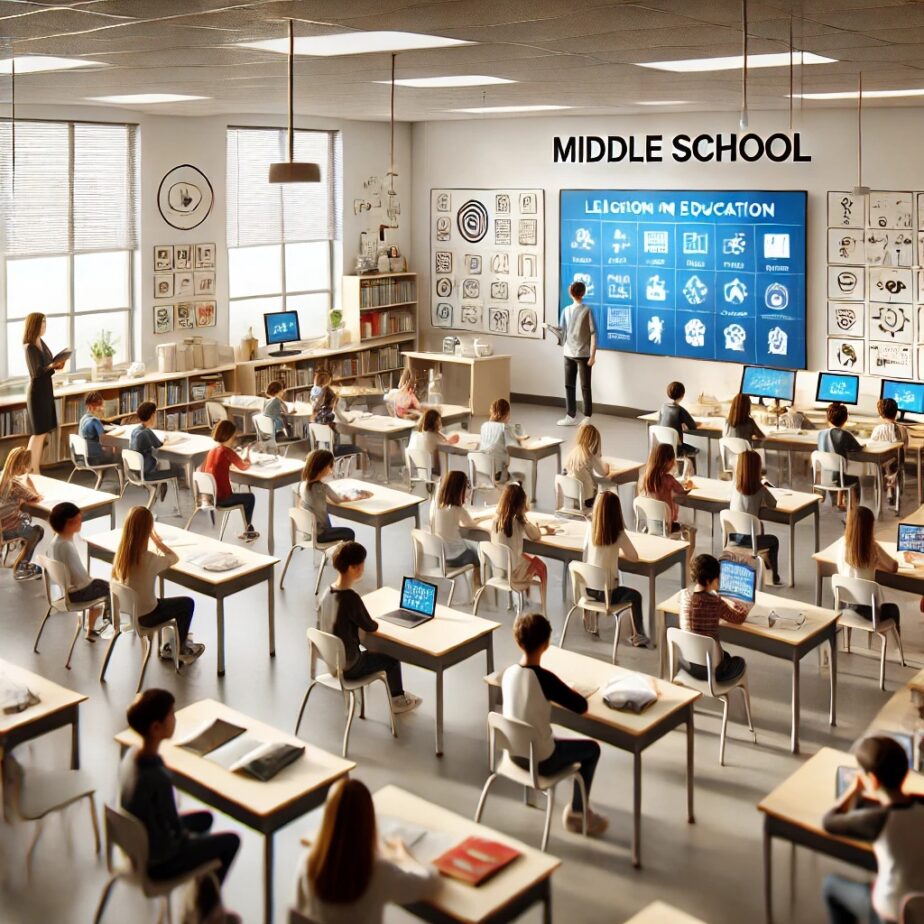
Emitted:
pixel 839 387
pixel 762 382
pixel 281 328
pixel 909 396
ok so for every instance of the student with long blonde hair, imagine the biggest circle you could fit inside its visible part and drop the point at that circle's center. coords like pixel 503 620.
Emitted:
pixel 860 555
pixel 739 423
pixel 16 489
pixel 584 461
pixel 658 482
pixel 136 566
pixel 751 494
pixel 449 515
pixel 347 877
pixel 428 436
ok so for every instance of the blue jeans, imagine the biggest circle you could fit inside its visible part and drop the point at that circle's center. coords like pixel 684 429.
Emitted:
pixel 848 901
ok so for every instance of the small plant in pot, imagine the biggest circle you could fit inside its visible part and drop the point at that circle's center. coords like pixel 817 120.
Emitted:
pixel 102 349
pixel 335 328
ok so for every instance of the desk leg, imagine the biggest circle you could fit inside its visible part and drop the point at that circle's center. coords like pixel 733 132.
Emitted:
pixel 690 741
pixel 794 740
pixel 662 643
pixel 111 520
pixel 439 713
pixel 385 448
pixel 417 516
pixel 489 658
pixel 378 557
pixel 637 809
pixel 547 901
pixel 768 872
pixel 564 582
pixel 75 740
pixel 792 553
pixel 271 614
pixel 832 660
pixel 268 878
pixel 220 620
pixel 270 515
pixel 558 460
pixel 817 527
pixel 817 585
pixel 652 605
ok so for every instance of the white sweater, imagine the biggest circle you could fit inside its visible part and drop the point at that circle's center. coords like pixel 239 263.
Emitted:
pixel 446 522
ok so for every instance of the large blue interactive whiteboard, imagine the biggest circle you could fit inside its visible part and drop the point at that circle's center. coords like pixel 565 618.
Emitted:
pixel 701 274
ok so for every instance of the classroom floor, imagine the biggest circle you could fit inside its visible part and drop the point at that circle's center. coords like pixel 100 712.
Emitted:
pixel 712 869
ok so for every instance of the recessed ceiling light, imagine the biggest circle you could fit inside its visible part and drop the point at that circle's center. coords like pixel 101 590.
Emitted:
pixel 733 62
pixel 36 64
pixel 867 94
pixel 458 80
pixel 480 110
pixel 145 99
pixel 662 102
pixel 355 43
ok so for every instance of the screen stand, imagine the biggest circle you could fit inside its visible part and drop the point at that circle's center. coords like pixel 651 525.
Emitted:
pixel 282 352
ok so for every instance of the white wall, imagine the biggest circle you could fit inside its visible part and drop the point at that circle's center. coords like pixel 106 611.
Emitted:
pixel 518 152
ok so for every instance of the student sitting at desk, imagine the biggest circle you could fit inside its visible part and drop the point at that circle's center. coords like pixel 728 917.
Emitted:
pixel 605 542
pixel 888 431
pixel 349 876
pixel 147 442
pixel 511 528
pixel 16 489
pixel 91 428
pixel 584 461
pixel 528 693
pixel 342 612
pixel 176 843
pixel 407 404
pixel 876 811
pixel 429 436
pixel 701 610
pixel 658 481
pixel 218 464
pixel 674 415
pixel 314 494
pixel 66 520
pixel 448 515
pixel 838 440
pixel 137 567
pixel 323 398
pixel 497 434
pixel 275 408
pixel 739 423
pixel 751 494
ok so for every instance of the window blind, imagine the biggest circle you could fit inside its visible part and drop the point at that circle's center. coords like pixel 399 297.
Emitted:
pixel 72 188
pixel 260 212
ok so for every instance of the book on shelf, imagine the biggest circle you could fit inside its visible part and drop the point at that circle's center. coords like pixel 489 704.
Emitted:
pixel 475 860
pixel 110 407
pixel 376 292
pixel 13 423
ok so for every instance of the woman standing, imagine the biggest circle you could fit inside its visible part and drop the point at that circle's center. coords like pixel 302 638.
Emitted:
pixel 40 397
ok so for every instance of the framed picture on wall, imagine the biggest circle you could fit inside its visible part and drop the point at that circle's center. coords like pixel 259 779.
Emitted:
pixel 205 256
pixel 204 283
pixel 163 258
pixel 182 257
pixel 185 315
pixel 206 314
pixel 183 286
pixel 163 285
pixel 163 319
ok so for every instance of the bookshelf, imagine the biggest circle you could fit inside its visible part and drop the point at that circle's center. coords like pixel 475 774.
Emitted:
pixel 386 304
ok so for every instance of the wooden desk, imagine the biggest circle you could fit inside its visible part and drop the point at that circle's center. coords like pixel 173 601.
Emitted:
pixel 709 429
pixel 469 380
pixel 254 569
pixel 624 730
pixel 911 581
pixel 713 496
pixel 662 913
pixel 793 812
pixel 56 708
pixel 386 506
pixel 655 553
pixel 269 472
pixel 450 638
pixel 791 645
pixel 188 450
pixel 263 807
pixel 92 504
pixel 899 713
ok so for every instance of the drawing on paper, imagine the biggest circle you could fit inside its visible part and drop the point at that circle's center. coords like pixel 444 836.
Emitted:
pixel 441 315
pixel 528 265
pixel 499 291
pixel 526 293
pixel 471 288
pixel 472 221
pixel 473 264
pixel 527 322
pixel 503 231
pixel 442 261
pixel 892 323
pixel 502 203
pixel 443 287
pixel 889 284
pixel 845 355
pixel 846 210
pixel 500 264
pixel 470 316
pixel 846 319
pixel 444 202
pixel 528 203
pixel 443 227
pixel 846 245
pixel 499 320
pixel 890 360
pixel 890 209
pixel 527 234
pixel 163 319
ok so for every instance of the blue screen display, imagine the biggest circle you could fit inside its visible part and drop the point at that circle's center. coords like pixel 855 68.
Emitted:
pixel 418 596
pixel 281 327
pixel 737 580
pixel 834 386
pixel 910 537
pixel 698 274
pixel 908 395
pixel 759 382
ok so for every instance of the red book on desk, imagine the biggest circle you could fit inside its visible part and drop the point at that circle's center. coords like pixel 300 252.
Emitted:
pixel 475 860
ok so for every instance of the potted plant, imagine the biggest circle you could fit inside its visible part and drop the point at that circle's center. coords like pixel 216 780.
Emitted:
pixel 335 328
pixel 102 349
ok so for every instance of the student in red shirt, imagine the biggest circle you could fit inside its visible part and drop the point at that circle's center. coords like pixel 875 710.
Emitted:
pixel 218 464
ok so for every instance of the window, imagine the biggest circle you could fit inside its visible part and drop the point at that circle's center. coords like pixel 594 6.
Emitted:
pixel 68 233
pixel 283 240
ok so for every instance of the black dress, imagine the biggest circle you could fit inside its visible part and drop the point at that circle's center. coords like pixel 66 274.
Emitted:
pixel 40 396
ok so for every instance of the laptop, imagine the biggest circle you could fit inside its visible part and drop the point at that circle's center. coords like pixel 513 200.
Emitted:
pixel 418 604
pixel 738 582
pixel 910 539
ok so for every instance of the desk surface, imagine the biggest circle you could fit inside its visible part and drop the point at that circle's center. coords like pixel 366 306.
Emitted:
pixel 470 442
pixel 55 491
pixel 809 439
pixel 450 629
pixel 708 425
pixel 314 769
pixel 189 545
pixel 383 501
pixel 53 698
pixel 452 358
pixel 828 556
pixel 662 913
pixel 713 489
pixel 176 442
pixel 899 713
pixel 268 468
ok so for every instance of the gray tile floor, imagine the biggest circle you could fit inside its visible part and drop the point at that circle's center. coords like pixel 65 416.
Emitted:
pixel 711 868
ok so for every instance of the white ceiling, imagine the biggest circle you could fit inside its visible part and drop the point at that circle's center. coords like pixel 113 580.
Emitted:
pixel 577 53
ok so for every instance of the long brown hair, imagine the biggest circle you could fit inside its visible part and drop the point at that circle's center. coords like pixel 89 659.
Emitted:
pixel 430 421
pixel 858 537
pixel 223 431
pixel 747 473
pixel 342 856
pixel 607 523
pixel 452 489
pixel 32 327
pixel 660 461
pixel 740 411
pixel 512 505
pixel 17 463
pixel 586 447
pixel 316 462
pixel 136 533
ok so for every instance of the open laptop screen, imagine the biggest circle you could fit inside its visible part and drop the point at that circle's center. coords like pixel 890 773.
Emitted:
pixel 418 596
pixel 737 580
pixel 910 537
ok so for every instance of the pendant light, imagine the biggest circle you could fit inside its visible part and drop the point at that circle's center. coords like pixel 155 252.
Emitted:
pixel 291 171
pixel 860 189
pixel 743 115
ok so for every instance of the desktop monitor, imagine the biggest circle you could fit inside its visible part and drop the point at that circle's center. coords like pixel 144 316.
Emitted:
pixel 281 327
pixel 737 580
pixel 761 382
pixel 910 537
pixel 838 386
pixel 418 596
pixel 909 396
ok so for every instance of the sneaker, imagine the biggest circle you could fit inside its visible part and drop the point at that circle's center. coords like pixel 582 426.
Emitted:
pixel 27 572
pixel 574 822
pixel 166 651
pixel 249 535
pixel 191 651
pixel 405 703
pixel 639 640
pixel 568 422
pixel 588 418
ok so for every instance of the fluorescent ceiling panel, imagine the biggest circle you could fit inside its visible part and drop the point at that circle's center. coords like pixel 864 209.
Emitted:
pixel 481 110
pixel 355 43
pixel 145 99
pixel 867 94
pixel 734 62
pixel 37 64
pixel 460 80
pixel 663 102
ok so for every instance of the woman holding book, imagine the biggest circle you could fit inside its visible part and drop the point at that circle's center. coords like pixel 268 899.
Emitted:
pixel 40 395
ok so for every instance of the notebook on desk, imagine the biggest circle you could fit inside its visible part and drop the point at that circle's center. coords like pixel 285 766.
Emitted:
pixel 418 604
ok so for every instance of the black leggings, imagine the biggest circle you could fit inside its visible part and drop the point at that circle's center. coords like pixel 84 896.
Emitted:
pixel 178 608
pixel 336 534
pixel 624 595
pixel 245 499
pixel 571 372
pixel 583 751
pixel 730 667
pixel 96 589
pixel 371 662
pixel 765 541
pixel 886 611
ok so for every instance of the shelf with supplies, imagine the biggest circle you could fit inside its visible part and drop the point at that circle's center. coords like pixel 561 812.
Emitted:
pixel 381 290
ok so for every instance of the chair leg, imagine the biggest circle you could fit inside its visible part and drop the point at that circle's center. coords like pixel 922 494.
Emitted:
pixel 41 629
pixel 884 644
pixel 747 709
pixel 224 523
pixel 724 727
pixel 69 477
pixel 176 494
pixel 99 479
pixel 285 567
pixel 349 723
pixel 104 898
pixel 901 651
pixel 152 496
pixel 148 645
pixel 362 702
pixel 115 637
pixel 549 805
pixel 391 711
pixel 192 517
pixel 452 590
pixel 92 800
pixel 619 618
pixel 301 711
pixel 564 628
pixel 70 651
pixel 847 632
pixel 477 599
pixel 320 575
pixel 484 795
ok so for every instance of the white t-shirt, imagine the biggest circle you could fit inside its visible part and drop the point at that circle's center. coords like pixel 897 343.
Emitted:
pixel 882 561
pixel 142 579
pixel 64 551
pixel 425 441
pixel 445 522
pixel 607 556
pixel 514 542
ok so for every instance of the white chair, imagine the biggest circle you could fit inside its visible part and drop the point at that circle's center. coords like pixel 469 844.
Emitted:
pixel 127 833
pixel 737 521
pixel 482 474
pixel 204 493
pixel 54 574
pixel 700 649
pixel 912 909
pixel 430 561
pixel 865 593
pixel 658 434
pixel 305 536
pixel 214 412
pixel 837 468
pixel 517 739
pixel 125 601
pixel 419 465
pixel 331 651
pixel 649 510
pixel 569 497
pixel 730 447
pixel 133 467
pixel 80 459
pixel 265 428
pixel 31 794
pixel 584 576
pixel 322 436
pixel 497 572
